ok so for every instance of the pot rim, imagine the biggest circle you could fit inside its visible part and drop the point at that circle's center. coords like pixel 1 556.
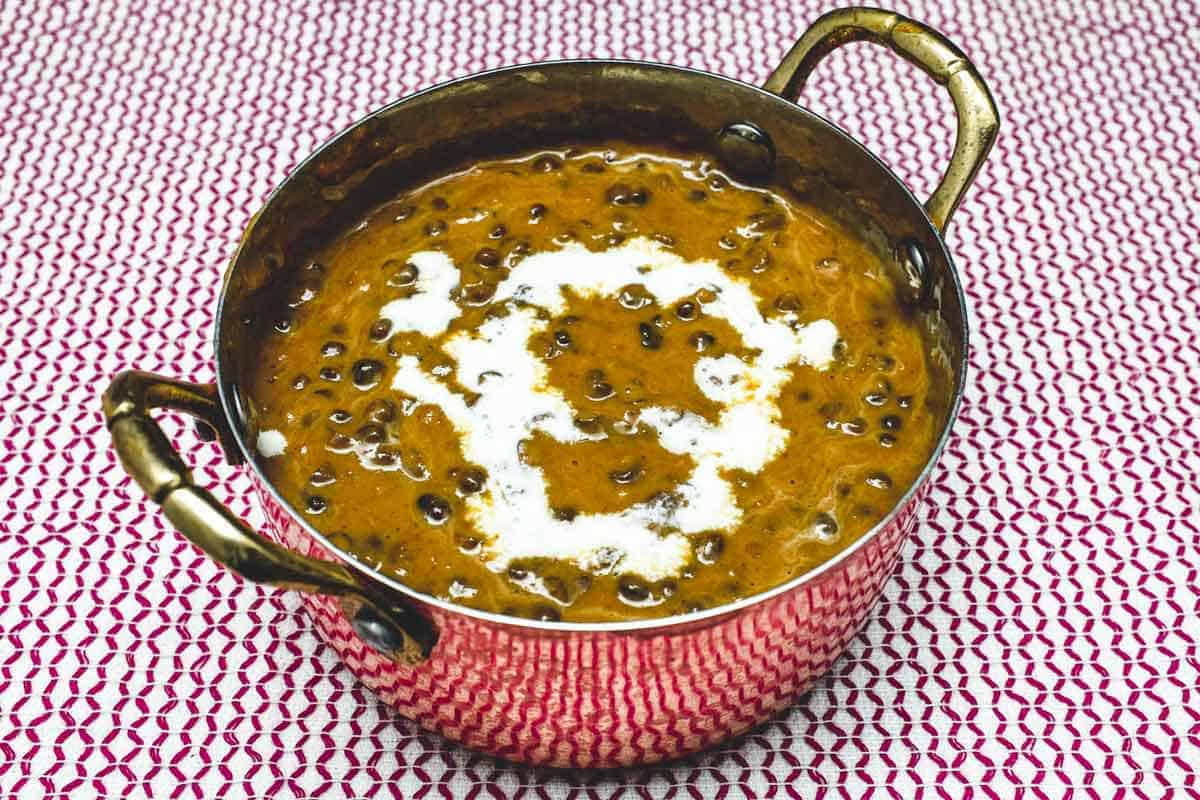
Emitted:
pixel 229 406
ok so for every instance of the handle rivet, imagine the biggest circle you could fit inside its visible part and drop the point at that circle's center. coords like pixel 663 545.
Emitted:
pixel 376 631
pixel 918 271
pixel 746 150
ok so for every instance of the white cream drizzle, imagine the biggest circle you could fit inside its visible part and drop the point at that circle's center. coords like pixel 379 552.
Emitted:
pixel 515 400
pixel 271 443
pixel 430 309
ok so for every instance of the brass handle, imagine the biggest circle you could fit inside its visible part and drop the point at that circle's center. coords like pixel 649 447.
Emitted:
pixel 382 619
pixel 978 119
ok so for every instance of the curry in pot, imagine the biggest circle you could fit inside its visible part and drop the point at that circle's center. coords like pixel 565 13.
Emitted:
pixel 591 384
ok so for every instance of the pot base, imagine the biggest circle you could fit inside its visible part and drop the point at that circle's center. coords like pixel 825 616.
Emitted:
pixel 597 699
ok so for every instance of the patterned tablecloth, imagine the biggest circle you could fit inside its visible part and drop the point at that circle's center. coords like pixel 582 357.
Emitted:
pixel 1040 636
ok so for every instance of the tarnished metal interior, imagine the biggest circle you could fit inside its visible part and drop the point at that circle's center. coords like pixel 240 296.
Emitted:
pixel 548 104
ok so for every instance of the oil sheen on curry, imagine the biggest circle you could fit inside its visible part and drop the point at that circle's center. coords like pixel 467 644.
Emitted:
pixel 591 384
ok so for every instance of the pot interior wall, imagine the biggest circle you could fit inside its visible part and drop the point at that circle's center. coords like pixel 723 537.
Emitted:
pixel 543 105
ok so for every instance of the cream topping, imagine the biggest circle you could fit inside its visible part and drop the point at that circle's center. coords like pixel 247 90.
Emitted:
pixel 430 309
pixel 515 400
pixel 271 443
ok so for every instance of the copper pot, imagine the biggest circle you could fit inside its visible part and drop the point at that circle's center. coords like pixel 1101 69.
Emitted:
pixel 571 694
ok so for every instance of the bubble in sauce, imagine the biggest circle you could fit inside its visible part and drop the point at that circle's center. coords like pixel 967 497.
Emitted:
pixel 547 163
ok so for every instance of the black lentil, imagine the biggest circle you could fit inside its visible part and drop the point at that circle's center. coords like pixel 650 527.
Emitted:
pixel 435 508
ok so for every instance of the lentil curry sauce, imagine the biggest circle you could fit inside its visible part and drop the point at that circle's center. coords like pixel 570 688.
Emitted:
pixel 380 467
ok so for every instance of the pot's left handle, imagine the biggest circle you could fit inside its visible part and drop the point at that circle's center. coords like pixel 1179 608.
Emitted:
pixel 382 619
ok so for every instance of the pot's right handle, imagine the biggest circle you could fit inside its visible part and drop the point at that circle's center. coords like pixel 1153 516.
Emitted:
pixel 978 119
pixel 383 620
